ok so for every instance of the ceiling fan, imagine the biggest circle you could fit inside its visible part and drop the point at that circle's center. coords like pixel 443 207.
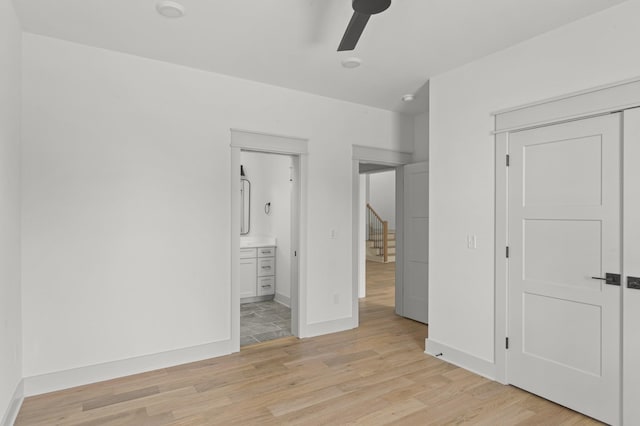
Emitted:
pixel 362 11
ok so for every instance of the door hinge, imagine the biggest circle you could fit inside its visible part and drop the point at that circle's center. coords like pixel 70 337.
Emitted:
pixel 507 252
pixel 506 343
pixel 507 160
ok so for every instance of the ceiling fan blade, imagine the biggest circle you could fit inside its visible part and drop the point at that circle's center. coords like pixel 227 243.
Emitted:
pixel 354 31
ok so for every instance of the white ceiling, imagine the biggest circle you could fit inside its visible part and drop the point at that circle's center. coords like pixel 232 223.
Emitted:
pixel 292 43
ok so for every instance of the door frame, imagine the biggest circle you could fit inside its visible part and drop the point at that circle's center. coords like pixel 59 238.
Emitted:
pixel 246 140
pixel 623 97
pixel 385 157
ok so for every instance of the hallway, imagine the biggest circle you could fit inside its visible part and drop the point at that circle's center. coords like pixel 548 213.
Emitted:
pixel 375 374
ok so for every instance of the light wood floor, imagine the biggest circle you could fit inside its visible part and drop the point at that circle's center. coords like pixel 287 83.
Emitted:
pixel 376 374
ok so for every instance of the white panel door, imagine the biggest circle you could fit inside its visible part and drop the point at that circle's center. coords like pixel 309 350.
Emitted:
pixel 415 291
pixel 564 234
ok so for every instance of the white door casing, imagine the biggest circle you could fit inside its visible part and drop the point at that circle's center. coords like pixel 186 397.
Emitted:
pixel 564 226
pixel 415 294
pixel 278 144
pixel 397 159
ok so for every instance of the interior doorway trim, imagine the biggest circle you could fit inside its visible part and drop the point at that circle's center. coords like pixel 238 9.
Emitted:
pixel 387 157
pixel 599 100
pixel 246 140
pixel 617 97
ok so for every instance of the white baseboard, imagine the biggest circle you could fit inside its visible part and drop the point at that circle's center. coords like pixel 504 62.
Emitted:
pixel 461 359
pixel 10 416
pixel 326 327
pixel 59 380
pixel 283 300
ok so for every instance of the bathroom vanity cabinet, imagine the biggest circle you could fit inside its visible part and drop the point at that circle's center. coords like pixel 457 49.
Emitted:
pixel 257 273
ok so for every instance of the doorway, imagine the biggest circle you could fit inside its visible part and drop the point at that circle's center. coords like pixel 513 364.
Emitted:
pixel 378 242
pixel 411 203
pixel 613 113
pixel 267 209
pixel 267 245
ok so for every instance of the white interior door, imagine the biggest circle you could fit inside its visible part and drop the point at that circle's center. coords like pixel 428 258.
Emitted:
pixel 415 292
pixel 564 229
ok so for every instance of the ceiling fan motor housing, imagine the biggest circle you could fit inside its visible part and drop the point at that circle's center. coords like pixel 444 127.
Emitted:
pixel 370 7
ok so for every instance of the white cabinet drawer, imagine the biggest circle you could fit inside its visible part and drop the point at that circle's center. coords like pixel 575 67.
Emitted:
pixel 266 266
pixel 266 251
pixel 266 285
pixel 247 253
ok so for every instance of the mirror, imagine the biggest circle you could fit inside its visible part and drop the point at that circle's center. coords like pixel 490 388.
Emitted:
pixel 245 206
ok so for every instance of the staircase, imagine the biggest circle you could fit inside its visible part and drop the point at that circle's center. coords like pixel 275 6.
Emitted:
pixel 381 241
pixel 376 254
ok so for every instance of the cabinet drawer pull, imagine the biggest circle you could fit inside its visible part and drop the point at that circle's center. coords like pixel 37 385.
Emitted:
pixel 268 285
pixel 266 267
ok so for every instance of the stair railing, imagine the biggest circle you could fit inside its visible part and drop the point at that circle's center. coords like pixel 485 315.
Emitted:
pixel 378 231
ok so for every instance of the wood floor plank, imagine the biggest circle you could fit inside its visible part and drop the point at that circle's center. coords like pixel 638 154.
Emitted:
pixel 103 401
pixel 376 374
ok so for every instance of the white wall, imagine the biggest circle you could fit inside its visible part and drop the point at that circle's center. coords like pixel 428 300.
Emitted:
pixel 421 135
pixel 270 176
pixel 10 304
pixel 593 51
pixel 126 200
pixel 382 195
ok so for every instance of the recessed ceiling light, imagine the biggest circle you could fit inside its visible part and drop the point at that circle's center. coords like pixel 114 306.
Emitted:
pixel 408 98
pixel 351 62
pixel 170 9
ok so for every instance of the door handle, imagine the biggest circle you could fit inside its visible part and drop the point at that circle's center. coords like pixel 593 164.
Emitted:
pixel 611 279
pixel 633 282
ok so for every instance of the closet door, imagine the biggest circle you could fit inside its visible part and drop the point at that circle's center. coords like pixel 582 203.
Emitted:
pixel 564 264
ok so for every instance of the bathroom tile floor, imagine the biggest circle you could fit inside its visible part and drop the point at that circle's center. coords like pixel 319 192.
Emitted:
pixel 262 321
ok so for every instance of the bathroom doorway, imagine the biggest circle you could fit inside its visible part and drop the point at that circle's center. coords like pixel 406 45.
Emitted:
pixel 266 254
pixel 267 260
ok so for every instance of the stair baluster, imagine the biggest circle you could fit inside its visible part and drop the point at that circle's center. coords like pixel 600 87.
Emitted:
pixel 378 230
